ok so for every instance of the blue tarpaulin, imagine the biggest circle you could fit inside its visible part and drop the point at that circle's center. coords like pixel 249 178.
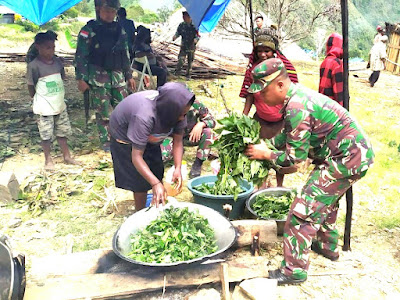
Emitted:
pixel 205 14
pixel 39 11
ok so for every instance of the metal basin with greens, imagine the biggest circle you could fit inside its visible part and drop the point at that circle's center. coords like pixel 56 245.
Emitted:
pixel 225 233
pixel 274 193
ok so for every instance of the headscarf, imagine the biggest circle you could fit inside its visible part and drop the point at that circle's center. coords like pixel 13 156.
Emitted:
pixel 172 99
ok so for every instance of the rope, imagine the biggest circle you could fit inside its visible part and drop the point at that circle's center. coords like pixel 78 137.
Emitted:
pixel 393 62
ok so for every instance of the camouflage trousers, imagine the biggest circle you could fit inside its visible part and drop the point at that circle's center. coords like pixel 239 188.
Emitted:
pixel 57 125
pixel 312 215
pixel 203 149
pixel 104 100
pixel 181 59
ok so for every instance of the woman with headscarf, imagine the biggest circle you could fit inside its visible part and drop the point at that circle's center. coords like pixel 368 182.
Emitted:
pixel 138 125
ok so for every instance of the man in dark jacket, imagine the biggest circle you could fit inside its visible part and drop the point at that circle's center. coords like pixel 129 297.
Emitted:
pixel 128 26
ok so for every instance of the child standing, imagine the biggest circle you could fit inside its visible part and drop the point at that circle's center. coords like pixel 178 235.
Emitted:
pixel 45 84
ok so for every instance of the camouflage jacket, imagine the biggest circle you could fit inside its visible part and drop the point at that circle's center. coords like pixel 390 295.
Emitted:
pixel 93 74
pixel 199 113
pixel 321 129
pixel 190 35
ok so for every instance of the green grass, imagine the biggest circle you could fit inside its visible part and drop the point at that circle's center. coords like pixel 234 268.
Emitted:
pixel 13 33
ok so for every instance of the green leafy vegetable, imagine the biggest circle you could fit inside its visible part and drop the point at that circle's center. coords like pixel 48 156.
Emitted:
pixel 235 135
pixel 272 207
pixel 176 235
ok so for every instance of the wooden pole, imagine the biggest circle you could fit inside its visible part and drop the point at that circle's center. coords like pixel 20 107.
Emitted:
pixel 251 20
pixel 346 102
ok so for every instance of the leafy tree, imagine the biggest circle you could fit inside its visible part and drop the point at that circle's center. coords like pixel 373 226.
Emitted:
pixel 85 7
pixel 134 12
pixel 164 12
pixel 296 19
pixel 71 13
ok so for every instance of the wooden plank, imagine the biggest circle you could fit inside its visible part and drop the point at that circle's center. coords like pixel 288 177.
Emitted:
pixel 226 295
pixel 248 228
pixel 131 282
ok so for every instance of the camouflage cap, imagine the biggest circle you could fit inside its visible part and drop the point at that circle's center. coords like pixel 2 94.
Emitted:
pixel 115 4
pixel 264 73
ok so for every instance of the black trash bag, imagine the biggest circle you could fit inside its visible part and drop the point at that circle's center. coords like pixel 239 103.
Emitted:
pixel 12 272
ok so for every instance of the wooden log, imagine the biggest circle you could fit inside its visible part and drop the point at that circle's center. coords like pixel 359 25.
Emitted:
pixel 248 228
pixel 76 276
pixel 226 295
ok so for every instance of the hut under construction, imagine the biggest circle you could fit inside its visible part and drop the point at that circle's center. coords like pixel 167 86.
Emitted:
pixel 393 48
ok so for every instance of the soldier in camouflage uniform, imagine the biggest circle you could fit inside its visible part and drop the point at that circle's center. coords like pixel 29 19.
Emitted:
pixel 102 64
pixel 318 128
pixel 190 37
pixel 198 132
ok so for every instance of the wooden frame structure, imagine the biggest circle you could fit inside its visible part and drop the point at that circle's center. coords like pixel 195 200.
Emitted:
pixel 393 48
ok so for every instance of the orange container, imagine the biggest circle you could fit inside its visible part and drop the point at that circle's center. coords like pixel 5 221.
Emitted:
pixel 171 191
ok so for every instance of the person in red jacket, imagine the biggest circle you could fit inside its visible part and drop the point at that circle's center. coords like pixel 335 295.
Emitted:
pixel 331 70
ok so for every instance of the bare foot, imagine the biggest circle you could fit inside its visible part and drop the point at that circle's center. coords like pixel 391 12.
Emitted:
pixel 71 161
pixel 49 166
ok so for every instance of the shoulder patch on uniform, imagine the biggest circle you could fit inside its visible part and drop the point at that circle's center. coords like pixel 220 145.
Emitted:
pixel 84 33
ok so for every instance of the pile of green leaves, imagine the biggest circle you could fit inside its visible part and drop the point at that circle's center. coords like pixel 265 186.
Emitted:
pixel 272 207
pixel 176 235
pixel 235 134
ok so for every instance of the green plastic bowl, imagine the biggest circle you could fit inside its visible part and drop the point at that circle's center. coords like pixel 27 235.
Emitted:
pixel 217 202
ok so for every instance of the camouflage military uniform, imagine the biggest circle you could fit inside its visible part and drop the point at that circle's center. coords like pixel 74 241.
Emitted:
pixel 190 37
pixel 198 113
pixel 319 128
pixel 107 82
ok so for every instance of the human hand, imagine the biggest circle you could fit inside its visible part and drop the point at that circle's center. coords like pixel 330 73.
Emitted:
pixel 159 194
pixel 83 86
pixel 259 151
pixel 177 179
pixel 132 84
pixel 195 134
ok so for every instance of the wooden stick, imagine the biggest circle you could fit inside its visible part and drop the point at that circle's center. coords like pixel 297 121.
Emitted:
pixel 226 295
pixel 228 111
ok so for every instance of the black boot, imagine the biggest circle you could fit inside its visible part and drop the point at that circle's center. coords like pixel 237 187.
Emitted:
pixel 196 168
pixel 317 249
pixel 282 278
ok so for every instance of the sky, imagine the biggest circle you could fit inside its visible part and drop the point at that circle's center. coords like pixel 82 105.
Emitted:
pixel 155 4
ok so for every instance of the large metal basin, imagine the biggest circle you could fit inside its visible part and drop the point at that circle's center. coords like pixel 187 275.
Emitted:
pixel 224 232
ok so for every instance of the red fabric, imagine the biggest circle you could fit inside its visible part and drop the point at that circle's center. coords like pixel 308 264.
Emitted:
pixel 265 112
pixel 331 70
pixel 248 79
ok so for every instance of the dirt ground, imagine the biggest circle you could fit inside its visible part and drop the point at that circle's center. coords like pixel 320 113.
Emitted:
pixel 369 271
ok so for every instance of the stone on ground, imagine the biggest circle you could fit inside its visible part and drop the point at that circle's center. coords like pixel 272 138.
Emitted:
pixel 9 187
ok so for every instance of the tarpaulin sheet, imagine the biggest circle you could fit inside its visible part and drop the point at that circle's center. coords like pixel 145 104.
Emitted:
pixel 39 11
pixel 205 14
